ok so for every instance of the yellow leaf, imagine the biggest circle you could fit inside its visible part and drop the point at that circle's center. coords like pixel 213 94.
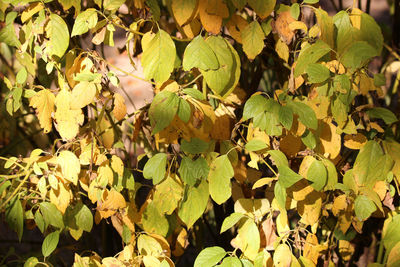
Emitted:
pixel 282 256
pixel 192 29
pixel 310 208
pixel 330 140
pixel 106 132
pixel 83 94
pixel 381 188
pixel 282 26
pixel 105 174
pixel 282 50
pixel 61 197
pixel 211 22
pixel 43 101
pixel 68 120
pixel 300 190
pixel 235 27
pixel 346 250
pixel 311 246
pixel 298 25
pixel 184 10
pixel 70 166
pixel 355 18
pixel 354 141
pixel 119 110
pixel 113 201
pixel 394 256
pixel 290 145
pixel 339 204
pixel 262 182
pixel 117 165
pixel 182 241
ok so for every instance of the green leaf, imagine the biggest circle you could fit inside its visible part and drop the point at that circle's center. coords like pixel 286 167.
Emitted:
pixel 255 145
pixel 308 139
pixel 254 106
pixel 7 34
pixel 193 203
pixel 163 110
pixel 368 165
pixel 158 57
pixel 223 80
pixel 379 79
pixel 231 262
pixel 84 218
pixel 50 243
pixel 126 234
pixel 280 194
pixel 311 2
pixel 167 196
pixel 112 4
pixel 250 237
pixel 332 178
pixel 219 178
pixel 39 221
pixel 317 73
pixel 357 55
pixel 287 177
pixel 230 221
pixel 317 174
pixel 84 22
pixel 239 4
pixel 306 114
pixel 22 75
pixel 154 9
pixel 31 262
pixel 363 207
pixel 371 32
pixel 382 113
pixel 15 217
pixel 209 257
pixel 252 39
pixel 57 32
pixel 198 54
pixel 191 170
pixel 279 158
pixel 184 110
pixel 391 236
pixel 51 214
pixel 310 55
pixel 263 8
pixel 155 168
pixel 196 94
pixel 285 117
pixel 153 221
pixel 195 146
pixel 295 10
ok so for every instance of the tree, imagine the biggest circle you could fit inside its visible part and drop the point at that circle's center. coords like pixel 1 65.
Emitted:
pixel 269 140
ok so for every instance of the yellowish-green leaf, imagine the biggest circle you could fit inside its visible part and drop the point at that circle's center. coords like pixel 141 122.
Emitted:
pixel 70 166
pixel 57 32
pixel 84 22
pixel 198 54
pixel 83 94
pixel 184 10
pixel 43 101
pixel 221 172
pixel 252 39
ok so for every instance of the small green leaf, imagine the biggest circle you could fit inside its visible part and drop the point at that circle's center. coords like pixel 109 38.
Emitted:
pixel 357 55
pixel 231 262
pixel 279 158
pixel 50 243
pixel 280 194
pixel 126 234
pixel 311 2
pixel 306 114
pixel 209 257
pixel 263 8
pixel 363 207
pixel 311 54
pixel 163 110
pixel 51 214
pixel 196 94
pixel 15 217
pixel 192 170
pixel 198 54
pixel 195 146
pixel 84 22
pixel 382 113
pixel 155 168
pixel 295 10
pixel 84 218
pixel 219 177
pixel 230 221
pixel 153 221
pixel 317 73
pixel 31 262
pixel 254 106
pixel 57 32
pixel 308 139
pixel 255 145
pixel 184 111
pixel 317 174
pixel 285 117
pixel 22 75
pixel 252 39
pixel 287 177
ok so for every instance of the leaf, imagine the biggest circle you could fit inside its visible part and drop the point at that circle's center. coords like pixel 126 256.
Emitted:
pixel 230 221
pixel 184 111
pixel 84 218
pixel 83 94
pixel 219 177
pixel 255 145
pixel 209 257
pixel 285 117
pixel 223 80
pixel 371 32
pixel 163 110
pixel 391 235
pixel 192 170
pixel 51 215
pixel 356 141
pixel 382 113
pixel 196 94
pixel 184 10
pixel 7 34
pixel 50 243
pixel 287 177
pixel 57 32
pixel 308 139
pixel 195 146
pixel 306 114
pixel 317 174
pixel 15 217
pixel 254 106
pixel 70 166
pixel 84 22
pixel 363 207
pixel 231 262
pixel 317 73
pixel 193 203
pixel 263 8
pixel 155 168
pixel 394 256
pixel 249 236
pixel 252 39
pixel 357 55
pixel 279 158
pixel 43 102
pixel 22 75
pixel 113 4
pixel 310 55
pixel 167 195
pixel 282 256
pixel 332 178
pixel 158 57
pixel 119 110
pixel 153 221
pixel 198 54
